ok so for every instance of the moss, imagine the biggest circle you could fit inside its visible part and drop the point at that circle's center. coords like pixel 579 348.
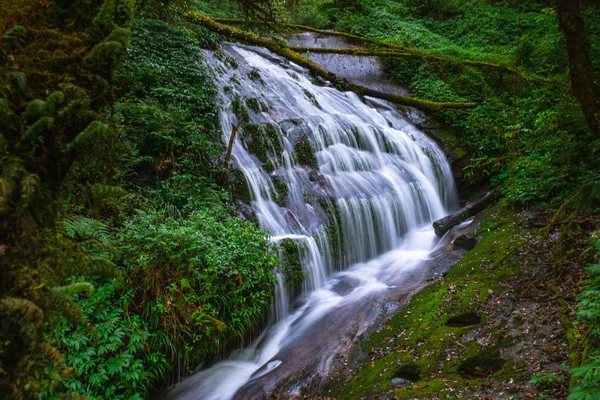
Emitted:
pixel 305 155
pixel 292 271
pixel 311 97
pixel 254 104
pixel 262 140
pixel 269 166
pixel 254 141
pixel 415 336
pixel 281 189
pixel 238 186
pixel 333 229
pixel 254 75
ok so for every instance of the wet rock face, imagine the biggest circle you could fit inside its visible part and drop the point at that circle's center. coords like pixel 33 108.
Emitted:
pixel 359 70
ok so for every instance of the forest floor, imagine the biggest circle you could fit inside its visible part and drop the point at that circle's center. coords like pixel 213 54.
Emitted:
pixel 498 325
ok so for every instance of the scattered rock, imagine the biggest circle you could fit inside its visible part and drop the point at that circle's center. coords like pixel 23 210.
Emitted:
pixel 466 241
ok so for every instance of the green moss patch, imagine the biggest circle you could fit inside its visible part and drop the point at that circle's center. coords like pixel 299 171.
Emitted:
pixel 261 140
pixel 417 341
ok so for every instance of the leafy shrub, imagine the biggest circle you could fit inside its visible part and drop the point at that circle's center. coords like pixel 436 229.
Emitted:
pixel 115 355
pixel 588 314
pixel 204 280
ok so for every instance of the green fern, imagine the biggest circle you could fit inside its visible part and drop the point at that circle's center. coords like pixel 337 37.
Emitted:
pixel 81 227
pixel 14 39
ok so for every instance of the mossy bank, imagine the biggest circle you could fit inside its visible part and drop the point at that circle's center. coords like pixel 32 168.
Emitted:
pixel 493 327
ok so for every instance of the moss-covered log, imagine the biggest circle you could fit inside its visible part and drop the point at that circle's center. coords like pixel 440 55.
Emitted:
pixel 353 38
pixel 443 225
pixel 404 54
pixel 382 49
pixel 279 47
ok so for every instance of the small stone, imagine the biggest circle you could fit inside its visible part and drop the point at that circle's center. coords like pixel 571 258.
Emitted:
pixel 466 241
pixel 401 382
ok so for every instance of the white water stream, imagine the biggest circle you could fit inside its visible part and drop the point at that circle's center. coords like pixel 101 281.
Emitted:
pixel 361 219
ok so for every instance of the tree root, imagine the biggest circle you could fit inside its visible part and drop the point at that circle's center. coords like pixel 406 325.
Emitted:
pixel 281 48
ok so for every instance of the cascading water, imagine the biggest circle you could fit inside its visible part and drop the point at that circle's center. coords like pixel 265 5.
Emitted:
pixel 354 185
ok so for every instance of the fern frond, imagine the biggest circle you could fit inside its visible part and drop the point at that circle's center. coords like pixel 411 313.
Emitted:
pixel 15 38
pixel 94 247
pixel 81 227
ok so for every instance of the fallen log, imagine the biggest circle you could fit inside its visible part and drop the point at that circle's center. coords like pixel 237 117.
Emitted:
pixel 406 54
pixel 382 49
pixel 354 38
pixel 443 225
pixel 281 48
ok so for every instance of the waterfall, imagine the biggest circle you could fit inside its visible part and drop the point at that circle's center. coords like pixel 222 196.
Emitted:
pixel 353 184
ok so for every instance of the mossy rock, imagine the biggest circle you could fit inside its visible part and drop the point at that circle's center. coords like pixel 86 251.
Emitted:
pixel 238 187
pixel 256 105
pixel 261 140
pixel 292 271
pixel 281 192
pixel 311 97
pixel 304 154
pixel 333 229
pixel 254 75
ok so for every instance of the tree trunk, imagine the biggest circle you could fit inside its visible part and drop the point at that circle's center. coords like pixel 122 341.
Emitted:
pixel 584 83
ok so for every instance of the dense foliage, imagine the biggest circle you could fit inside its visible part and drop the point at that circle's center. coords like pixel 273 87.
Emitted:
pixel 121 262
pixel 123 265
pixel 587 376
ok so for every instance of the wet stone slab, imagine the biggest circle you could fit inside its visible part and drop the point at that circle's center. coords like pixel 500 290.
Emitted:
pixel 360 70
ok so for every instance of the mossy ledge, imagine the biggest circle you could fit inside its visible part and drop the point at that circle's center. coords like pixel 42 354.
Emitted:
pixel 443 356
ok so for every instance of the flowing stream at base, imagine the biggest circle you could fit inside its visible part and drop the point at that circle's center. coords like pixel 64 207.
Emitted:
pixel 351 183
